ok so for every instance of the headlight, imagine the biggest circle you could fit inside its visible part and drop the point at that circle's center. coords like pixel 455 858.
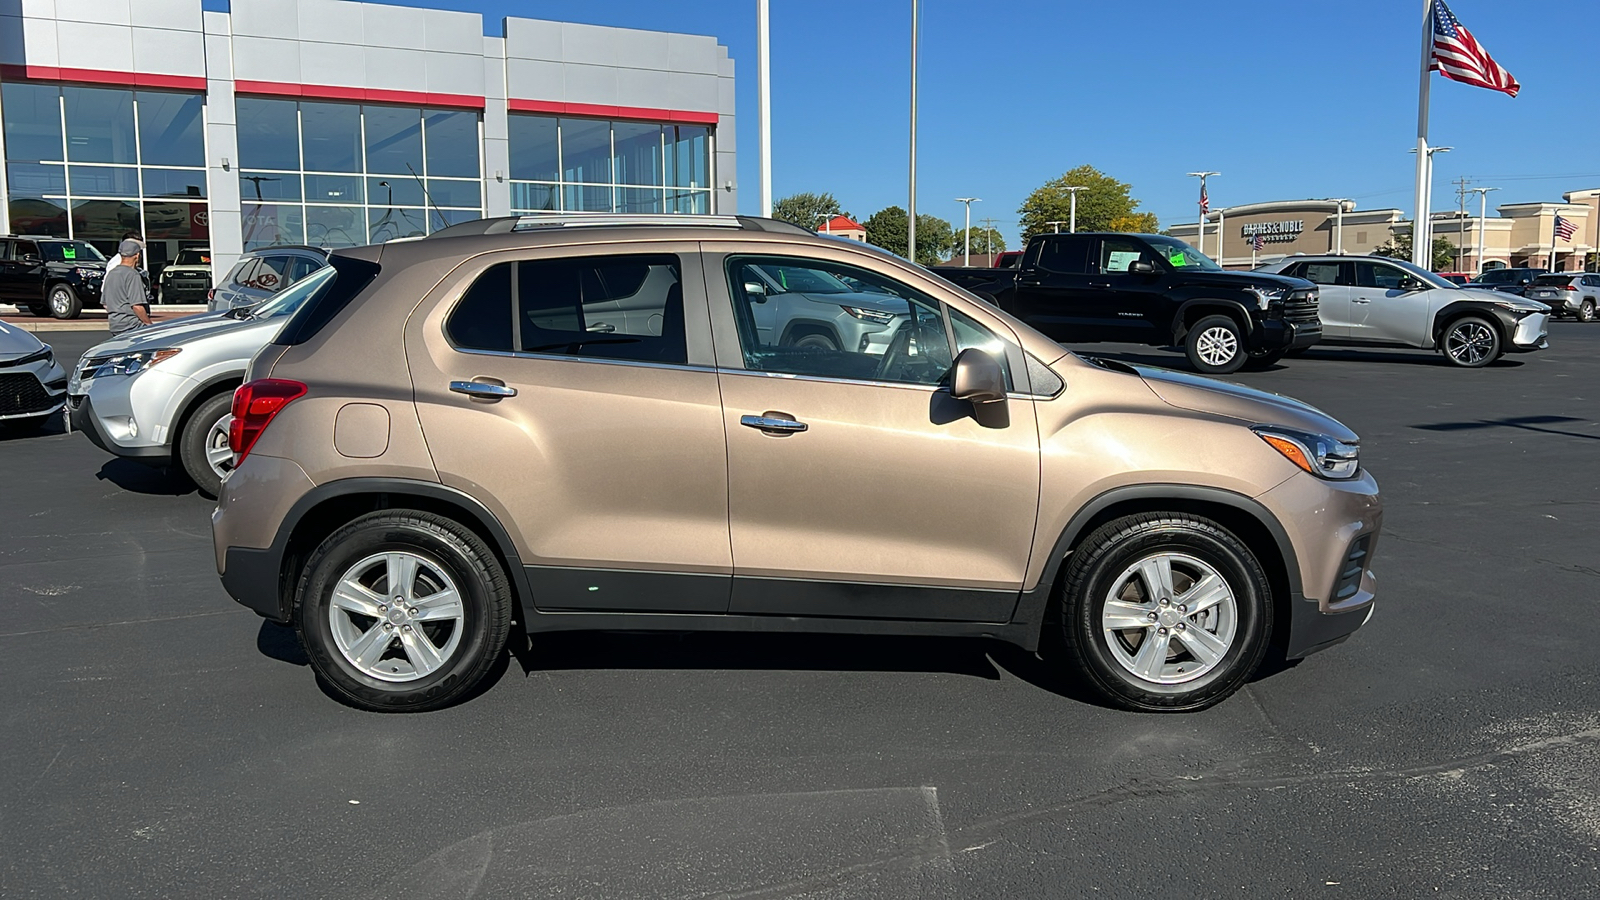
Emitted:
pixel 869 315
pixel 89 271
pixel 1319 454
pixel 1521 309
pixel 1264 296
pixel 126 363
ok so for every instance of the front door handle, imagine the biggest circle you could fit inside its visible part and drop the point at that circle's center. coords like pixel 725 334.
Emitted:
pixel 1360 300
pixel 483 390
pixel 773 423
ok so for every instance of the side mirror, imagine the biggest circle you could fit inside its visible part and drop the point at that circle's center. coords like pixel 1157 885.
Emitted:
pixel 978 378
pixel 756 291
pixel 1142 267
pixel 1411 283
pixel 32 259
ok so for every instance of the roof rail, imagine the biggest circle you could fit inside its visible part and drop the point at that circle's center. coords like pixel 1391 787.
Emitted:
pixel 553 220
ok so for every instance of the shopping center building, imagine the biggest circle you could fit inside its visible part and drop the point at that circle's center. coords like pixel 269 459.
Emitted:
pixel 1512 234
pixel 337 123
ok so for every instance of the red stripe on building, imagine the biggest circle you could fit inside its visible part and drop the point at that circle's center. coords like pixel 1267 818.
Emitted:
pixel 57 74
pixel 356 95
pixel 600 111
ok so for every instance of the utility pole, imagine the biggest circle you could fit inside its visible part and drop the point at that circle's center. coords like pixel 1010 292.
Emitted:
pixel 988 237
pixel 764 102
pixel 1072 221
pixel 1461 216
pixel 966 255
pixel 911 204
pixel 1057 223
pixel 1204 204
pixel 1483 210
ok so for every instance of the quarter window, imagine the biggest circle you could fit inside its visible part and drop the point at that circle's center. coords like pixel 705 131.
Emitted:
pixel 1068 255
pixel 603 307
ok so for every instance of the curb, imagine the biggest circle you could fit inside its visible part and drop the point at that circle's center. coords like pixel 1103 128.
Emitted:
pixel 91 320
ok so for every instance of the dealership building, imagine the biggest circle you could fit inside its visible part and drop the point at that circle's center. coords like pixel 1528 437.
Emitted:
pixel 1513 234
pixel 336 123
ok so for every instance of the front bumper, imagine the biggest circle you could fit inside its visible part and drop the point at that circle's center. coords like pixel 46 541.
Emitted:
pixel 1532 332
pixel 130 415
pixel 1277 334
pixel 99 434
pixel 32 391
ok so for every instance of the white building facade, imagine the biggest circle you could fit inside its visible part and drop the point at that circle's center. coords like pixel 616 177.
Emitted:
pixel 337 123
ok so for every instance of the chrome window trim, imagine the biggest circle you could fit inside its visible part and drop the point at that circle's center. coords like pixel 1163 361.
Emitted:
pixel 560 357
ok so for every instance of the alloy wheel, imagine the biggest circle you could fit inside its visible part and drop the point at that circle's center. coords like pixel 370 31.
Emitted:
pixel 1170 618
pixel 59 304
pixel 1217 346
pixel 396 616
pixel 1469 343
pixel 219 455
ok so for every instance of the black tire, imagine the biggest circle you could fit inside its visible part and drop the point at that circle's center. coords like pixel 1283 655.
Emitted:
pixel 195 443
pixel 815 339
pixel 1103 562
pixel 1296 352
pixel 485 596
pixel 1210 341
pixel 1265 359
pixel 42 310
pixel 1471 342
pixel 1586 311
pixel 64 302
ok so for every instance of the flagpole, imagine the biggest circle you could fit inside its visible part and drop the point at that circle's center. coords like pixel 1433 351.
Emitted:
pixel 1420 239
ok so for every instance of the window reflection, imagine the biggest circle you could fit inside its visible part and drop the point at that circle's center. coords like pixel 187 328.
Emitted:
pixel 170 129
pixel 585 150
pixel 331 137
pixel 99 125
pixel 452 141
pixel 32 121
pixel 596 165
pixel 394 139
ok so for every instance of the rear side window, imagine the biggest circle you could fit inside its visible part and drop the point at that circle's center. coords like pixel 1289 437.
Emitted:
pixel 602 307
pixel 240 276
pixel 1068 255
pixel 1320 273
pixel 301 266
pixel 351 277
pixel 272 275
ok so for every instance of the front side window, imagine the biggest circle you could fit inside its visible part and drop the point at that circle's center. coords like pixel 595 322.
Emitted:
pixel 1117 254
pixel 603 307
pixel 1378 275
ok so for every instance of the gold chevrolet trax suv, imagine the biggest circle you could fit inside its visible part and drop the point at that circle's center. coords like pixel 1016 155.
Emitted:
pixel 555 424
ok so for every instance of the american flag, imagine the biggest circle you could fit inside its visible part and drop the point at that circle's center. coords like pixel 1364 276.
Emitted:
pixel 1459 57
pixel 1205 202
pixel 1565 228
pixel 1257 242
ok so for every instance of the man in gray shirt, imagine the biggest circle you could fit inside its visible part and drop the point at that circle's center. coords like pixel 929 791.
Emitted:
pixel 122 292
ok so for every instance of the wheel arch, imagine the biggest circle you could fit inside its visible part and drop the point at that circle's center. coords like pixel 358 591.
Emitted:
pixel 798 328
pixel 199 396
pixel 1452 313
pixel 325 508
pixel 1192 311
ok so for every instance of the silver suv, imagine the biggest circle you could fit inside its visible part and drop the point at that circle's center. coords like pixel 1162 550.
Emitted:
pixel 1568 294
pixel 799 307
pixel 163 393
pixel 260 274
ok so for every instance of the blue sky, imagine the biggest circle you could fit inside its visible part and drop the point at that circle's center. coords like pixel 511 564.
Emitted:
pixel 1287 100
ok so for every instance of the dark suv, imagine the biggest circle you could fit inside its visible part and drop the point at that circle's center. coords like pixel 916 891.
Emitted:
pixel 50 276
pixel 1511 281
pixel 1151 289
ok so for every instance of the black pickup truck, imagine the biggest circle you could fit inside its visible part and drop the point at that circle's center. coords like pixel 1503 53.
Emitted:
pixel 1155 290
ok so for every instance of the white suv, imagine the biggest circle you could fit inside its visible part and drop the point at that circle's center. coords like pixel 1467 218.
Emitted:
pixel 1568 294
pixel 1376 301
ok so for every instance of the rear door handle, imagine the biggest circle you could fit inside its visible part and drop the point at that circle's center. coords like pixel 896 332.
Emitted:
pixel 773 423
pixel 482 390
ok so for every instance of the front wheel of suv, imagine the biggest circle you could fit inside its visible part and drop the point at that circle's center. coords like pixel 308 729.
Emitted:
pixel 1215 346
pixel 1165 612
pixel 64 302
pixel 203 447
pixel 403 611
pixel 1471 342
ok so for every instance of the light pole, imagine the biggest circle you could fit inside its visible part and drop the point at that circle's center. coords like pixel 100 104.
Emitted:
pixel 1205 204
pixel 827 222
pixel 911 203
pixel 1422 230
pixel 966 255
pixel 1338 223
pixel 764 102
pixel 1057 223
pixel 1072 219
pixel 1483 211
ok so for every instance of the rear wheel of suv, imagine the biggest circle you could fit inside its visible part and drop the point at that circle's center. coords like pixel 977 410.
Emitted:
pixel 1471 342
pixel 1215 346
pixel 1165 612
pixel 1586 311
pixel 203 447
pixel 403 611
pixel 64 302
pixel 1265 359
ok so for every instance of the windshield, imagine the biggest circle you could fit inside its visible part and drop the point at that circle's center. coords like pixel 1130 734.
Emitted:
pixel 1428 278
pixel 806 281
pixel 293 297
pixel 193 258
pixel 1182 256
pixel 71 251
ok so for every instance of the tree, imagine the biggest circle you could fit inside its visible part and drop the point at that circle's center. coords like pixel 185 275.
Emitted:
pixel 805 210
pixel 1399 247
pixel 1101 202
pixel 984 240
pixel 1135 223
pixel 886 228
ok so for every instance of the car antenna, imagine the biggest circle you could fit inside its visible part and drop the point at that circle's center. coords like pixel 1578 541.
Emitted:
pixel 427 196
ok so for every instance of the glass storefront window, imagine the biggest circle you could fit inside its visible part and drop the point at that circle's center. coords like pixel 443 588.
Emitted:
pixel 330 137
pixel 595 165
pixel 386 224
pixel 36 215
pixel 585 150
pixel 637 159
pixel 334 189
pixel 269 133
pixel 32 121
pixel 638 200
pixel 689 158
pixel 103 181
pixel 452 142
pixel 444 218
pixel 174 183
pixel 396 190
pixel 450 192
pixel 587 198
pixel 170 129
pixel 336 226
pixel 394 140
pixel 33 178
pixel 269 186
pixel 266 224
pixel 170 221
pixel 535 197
pixel 535 149
pixel 104 221
pixel 99 125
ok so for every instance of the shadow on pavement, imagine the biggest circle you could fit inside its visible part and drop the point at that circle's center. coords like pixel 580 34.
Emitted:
pixel 280 642
pixel 17 432
pixel 1526 423
pixel 142 479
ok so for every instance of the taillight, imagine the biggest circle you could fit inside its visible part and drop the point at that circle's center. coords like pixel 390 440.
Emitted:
pixel 211 295
pixel 254 405
pixel 1569 286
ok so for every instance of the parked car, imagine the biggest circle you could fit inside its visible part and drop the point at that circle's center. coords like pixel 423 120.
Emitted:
pixel 1568 294
pixel 1375 301
pixel 50 276
pixel 259 274
pixel 1008 259
pixel 1458 279
pixel 1151 289
pixel 32 385
pixel 187 279
pixel 1510 281
pixel 438 445
pixel 163 394
pixel 807 308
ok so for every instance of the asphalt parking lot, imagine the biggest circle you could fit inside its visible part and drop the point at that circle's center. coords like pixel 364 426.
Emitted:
pixel 158 740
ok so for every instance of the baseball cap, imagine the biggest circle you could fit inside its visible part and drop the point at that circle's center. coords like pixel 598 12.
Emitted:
pixel 129 248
